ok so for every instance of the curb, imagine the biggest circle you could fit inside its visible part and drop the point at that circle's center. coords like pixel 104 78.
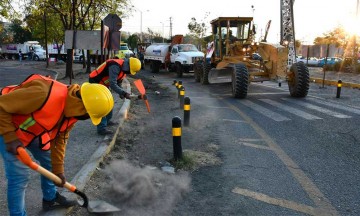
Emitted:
pixel 86 172
pixel 334 83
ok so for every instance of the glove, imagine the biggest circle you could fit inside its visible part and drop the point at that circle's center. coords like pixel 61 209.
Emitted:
pixel 12 146
pixel 63 180
pixel 125 95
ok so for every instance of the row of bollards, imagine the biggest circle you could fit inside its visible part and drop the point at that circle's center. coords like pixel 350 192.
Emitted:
pixel 176 121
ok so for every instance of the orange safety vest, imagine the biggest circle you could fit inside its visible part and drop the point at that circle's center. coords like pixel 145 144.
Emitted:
pixel 101 74
pixel 43 123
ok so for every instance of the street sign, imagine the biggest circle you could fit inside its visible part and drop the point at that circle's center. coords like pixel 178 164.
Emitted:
pixel 113 21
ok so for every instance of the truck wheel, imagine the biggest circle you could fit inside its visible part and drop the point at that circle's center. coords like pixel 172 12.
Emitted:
pixel 155 66
pixel 299 80
pixel 240 81
pixel 197 72
pixel 36 58
pixel 204 77
pixel 179 70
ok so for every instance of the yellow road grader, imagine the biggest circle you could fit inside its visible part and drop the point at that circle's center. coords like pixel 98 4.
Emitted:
pixel 234 56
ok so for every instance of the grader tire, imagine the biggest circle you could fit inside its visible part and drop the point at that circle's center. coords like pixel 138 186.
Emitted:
pixel 299 83
pixel 204 77
pixel 197 72
pixel 240 81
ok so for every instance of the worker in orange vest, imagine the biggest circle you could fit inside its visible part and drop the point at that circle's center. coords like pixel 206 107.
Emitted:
pixel 110 74
pixel 38 115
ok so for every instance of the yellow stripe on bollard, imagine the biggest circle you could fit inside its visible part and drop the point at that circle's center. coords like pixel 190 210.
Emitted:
pixel 186 107
pixel 176 131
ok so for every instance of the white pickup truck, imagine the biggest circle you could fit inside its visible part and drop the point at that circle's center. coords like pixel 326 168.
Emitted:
pixel 178 57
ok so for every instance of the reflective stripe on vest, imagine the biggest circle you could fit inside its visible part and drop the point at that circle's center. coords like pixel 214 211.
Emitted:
pixel 44 122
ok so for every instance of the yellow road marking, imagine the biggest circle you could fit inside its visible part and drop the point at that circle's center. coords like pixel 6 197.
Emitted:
pixel 279 202
pixel 233 120
pixel 255 146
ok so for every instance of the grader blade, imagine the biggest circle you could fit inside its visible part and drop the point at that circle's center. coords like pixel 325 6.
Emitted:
pixel 220 75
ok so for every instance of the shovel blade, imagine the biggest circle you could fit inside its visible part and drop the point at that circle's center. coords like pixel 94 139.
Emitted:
pixel 98 206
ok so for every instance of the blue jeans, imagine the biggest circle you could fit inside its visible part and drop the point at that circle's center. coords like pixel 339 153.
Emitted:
pixel 18 176
pixel 104 121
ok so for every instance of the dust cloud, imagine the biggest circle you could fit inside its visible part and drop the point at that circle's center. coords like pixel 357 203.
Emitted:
pixel 145 191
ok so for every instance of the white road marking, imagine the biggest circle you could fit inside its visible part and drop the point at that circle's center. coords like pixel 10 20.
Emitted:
pixel 264 111
pixel 317 108
pixel 335 105
pixel 292 110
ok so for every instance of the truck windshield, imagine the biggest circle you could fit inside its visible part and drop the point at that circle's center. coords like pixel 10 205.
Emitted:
pixel 187 48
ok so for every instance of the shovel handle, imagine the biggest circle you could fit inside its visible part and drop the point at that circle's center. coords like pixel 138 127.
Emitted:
pixel 26 159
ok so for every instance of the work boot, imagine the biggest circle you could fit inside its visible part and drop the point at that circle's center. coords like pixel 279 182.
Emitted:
pixel 111 123
pixel 105 132
pixel 58 202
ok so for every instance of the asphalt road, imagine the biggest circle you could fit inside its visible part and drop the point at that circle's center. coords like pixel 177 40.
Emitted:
pixel 281 156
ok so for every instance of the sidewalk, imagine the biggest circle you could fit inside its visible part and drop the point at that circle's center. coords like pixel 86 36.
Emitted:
pixel 351 80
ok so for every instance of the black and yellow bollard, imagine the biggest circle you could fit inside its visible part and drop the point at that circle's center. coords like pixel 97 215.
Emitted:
pixel 186 111
pixel 176 132
pixel 182 95
pixel 174 82
pixel 339 84
pixel 179 85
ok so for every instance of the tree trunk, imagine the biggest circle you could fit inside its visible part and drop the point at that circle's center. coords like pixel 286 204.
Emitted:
pixel 69 63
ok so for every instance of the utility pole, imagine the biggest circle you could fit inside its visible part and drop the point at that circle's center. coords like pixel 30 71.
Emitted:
pixel 355 50
pixel 162 31
pixel 170 28
pixel 46 42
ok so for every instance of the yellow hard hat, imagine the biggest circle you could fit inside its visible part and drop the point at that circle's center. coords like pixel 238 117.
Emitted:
pixel 98 100
pixel 135 65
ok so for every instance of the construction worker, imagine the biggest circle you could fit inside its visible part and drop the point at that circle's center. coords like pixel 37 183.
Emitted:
pixel 110 74
pixel 38 115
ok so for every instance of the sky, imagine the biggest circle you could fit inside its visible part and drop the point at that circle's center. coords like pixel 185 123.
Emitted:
pixel 312 18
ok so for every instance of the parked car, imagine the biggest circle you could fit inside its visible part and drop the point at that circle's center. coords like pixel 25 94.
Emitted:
pixel 311 61
pixel 329 61
pixel 124 51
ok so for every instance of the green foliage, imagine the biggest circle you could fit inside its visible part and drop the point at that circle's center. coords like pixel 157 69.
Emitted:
pixel 5 36
pixel 185 163
pixel 19 33
pixel 198 30
pixel 133 41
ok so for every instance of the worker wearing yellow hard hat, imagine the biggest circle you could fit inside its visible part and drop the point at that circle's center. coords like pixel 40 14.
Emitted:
pixel 110 74
pixel 38 114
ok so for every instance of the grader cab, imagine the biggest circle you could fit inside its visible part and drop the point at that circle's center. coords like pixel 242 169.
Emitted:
pixel 233 56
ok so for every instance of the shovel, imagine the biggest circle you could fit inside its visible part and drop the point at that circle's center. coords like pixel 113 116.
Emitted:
pixel 139 85
pixel 96 206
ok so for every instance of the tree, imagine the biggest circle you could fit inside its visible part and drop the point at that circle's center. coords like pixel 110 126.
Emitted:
pixel 338 37
pixel 198 29
pixel 20 34
pixel 133 40
pixel 6 9
pixel 77 14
